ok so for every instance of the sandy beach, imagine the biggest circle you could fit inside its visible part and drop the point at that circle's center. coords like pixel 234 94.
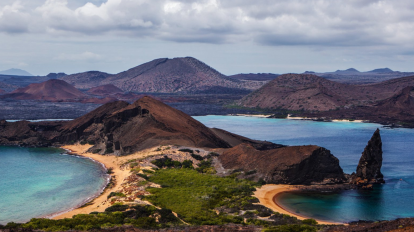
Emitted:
pixel 100 203
pixel 119 174
pixel 268 194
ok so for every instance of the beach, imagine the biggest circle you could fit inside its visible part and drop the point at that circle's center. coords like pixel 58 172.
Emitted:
pixel 100 203
pixel 118 175
pixel 268 196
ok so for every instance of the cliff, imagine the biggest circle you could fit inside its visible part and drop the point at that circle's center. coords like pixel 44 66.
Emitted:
pixel 286 165
pixel 369 167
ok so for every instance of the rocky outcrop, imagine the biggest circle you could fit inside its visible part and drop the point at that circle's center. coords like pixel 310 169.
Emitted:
pixel 286 165
pixel 369 167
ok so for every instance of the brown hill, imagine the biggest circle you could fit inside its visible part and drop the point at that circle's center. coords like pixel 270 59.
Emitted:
pixel 286 165
pixel 51 90
pixel 175 75
pixel 399 104
pixel 397 110
pixel 105 90
pixel 86 80
pixel 123 128
pixel 312 93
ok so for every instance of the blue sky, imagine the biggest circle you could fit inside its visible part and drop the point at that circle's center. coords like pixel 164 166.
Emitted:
pixel 232 36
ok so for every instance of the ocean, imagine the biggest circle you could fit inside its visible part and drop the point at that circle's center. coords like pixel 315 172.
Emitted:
pixel 345 140
pixel 38 182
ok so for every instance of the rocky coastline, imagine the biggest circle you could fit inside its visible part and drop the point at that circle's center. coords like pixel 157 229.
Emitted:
pixel 121 129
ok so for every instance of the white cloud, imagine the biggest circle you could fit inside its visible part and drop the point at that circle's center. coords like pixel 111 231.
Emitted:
pixel 269 22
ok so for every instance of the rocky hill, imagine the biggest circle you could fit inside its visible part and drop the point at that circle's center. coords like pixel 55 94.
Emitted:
pixel 105 90
pixel 51 90
pixel 312 93
pixel 178 75
pixel 286 165
pixel 117 127
pixel 175 75
pixel 86 80
pixel 397 110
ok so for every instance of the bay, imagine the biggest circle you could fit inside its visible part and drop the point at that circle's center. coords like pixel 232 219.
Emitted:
pixel 345 140
pixel 37 182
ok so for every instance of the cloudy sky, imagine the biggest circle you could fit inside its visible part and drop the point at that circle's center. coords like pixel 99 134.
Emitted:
pixel 232 36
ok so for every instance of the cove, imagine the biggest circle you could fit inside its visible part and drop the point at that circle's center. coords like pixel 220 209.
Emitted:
pixel 38 182
pixel 345 140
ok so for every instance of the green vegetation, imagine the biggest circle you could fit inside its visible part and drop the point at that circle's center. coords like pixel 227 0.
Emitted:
pixel 118 194
pixel 195 196
pixel 169 163
pixel 138 216
pixel 148 171
pixel 205 167
pixel 197 157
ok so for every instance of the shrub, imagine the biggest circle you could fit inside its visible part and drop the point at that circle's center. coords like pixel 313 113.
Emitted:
pixel 250 172
pixel 143 176
pixel 148 171
pixel 116 207
pixel 109 171
pixel 310 221
pixel 133 164
pixel 187 164
pixel 187 150
pixel 197 157
pixel 113 194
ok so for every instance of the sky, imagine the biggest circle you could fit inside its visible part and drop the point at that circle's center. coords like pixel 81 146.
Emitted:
pixel 232 36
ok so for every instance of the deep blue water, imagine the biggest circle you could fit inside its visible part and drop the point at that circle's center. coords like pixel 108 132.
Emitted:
pixel 37 182
pixel 345 140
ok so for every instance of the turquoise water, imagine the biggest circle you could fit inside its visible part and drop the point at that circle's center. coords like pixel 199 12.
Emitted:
pixel 36 182
pixel 346 140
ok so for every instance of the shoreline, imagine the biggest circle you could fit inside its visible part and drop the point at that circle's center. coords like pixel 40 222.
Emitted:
pixel 99 201
pixel 268 196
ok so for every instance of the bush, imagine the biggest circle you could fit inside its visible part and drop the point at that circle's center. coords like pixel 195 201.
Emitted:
pixel 250 172
pixel 110 171
pixel 197 157
pixel 187 164
pixel 187 150
pixel 113 194
pixel 133 164
pixel 115 208
pixel 143 176
pixel 148 171
pixel 310 221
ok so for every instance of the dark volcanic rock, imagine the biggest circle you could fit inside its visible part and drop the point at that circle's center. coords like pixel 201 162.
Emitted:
pixel 286 165
pixel 369 167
